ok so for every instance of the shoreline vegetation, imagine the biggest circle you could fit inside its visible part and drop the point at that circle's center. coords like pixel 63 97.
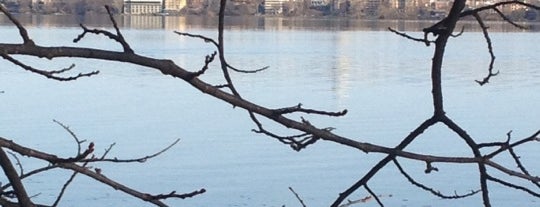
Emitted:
pixel 349 9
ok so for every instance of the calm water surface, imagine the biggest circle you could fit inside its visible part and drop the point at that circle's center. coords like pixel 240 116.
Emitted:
pixel 380 78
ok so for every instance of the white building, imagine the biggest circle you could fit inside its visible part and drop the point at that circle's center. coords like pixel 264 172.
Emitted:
pixel 142 6
pixel 173 5
pixel 273 6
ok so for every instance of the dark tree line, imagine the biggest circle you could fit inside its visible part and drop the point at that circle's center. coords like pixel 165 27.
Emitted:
pixel 63 6
pixel 483 155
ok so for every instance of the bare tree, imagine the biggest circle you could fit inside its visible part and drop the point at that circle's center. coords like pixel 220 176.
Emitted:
pixel 303 133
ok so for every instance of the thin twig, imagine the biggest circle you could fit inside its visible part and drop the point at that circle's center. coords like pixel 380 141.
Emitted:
pixel 141 159
pixel 431 190
pixel 490 50
pixel 423 40
pixel 79 142
pixel 296 142
pixel 204 38
pixel 173 194
pixel 118 37
pixel 247 71
pixel 297 197
pixel 373 195
pixel 208 59
pixel 210 40
pixel 505 18
pixel 299 108
pixel 66 184
pixel 459 33
pixel 517 187
pixel 18 163
pixel 48 74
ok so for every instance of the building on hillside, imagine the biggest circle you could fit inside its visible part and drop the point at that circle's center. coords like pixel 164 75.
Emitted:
pixel 142 6
pixel 173 6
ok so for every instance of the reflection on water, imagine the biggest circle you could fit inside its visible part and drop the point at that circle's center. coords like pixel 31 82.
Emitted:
pixel 379 77
pixel 249 22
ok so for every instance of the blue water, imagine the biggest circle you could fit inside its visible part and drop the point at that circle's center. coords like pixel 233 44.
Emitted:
pixel 382 79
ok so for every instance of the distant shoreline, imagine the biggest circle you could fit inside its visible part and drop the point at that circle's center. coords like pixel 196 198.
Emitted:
pixel 260 22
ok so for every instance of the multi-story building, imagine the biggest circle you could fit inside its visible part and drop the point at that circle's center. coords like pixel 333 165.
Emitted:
pixel 273 6
pixel 173 5
pixel 142 6
pixel 153 6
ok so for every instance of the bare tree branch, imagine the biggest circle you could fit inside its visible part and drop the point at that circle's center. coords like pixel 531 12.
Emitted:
pixel 496 5
pixel 118 37
pixel 48 74
pixel 18 163
pixel 98 176
pixel 375 196
pixel 79 142
pixel 141 159
pixel 22 30
pixel 431 190
pixel 299 108
pixel 306 133
pixel 15 180
pixel 33 172
pixel 510 185
pixel 505 18
pixel 65 186
pixel 423 40
pixel 297 197
pixel 173 194
pixel 490 50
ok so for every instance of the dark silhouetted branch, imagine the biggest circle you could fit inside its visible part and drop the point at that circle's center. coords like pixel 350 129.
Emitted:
pixel 176 195
pixel 459 33
pixel 15 180
pixel 490 50
pixel 296 142
pixel 504 147
pixel 22 30
pixel 98 176
pixel 404 143
pixel 18 163
pixel 423 40
pixel 514 186
pixel 496 5
pixel 505 18
pixel 307 133
pixel 299 108
pixel 208 59
pixel 141 159
pixel 204 38
pixel 247 71
pixel 73 135
pixel 297 197
pixel 373 195
pixel 431 190
pixel 118 37
pixel 48 73
pixel 65 186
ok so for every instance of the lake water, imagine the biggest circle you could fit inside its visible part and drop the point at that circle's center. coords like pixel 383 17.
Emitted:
pixel 382 79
